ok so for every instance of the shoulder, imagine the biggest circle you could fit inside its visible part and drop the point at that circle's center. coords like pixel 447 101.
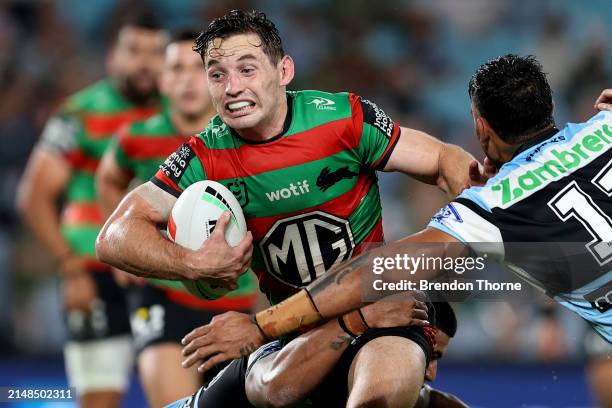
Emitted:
pixel 216 135
pixel 570 149
pixel 99 97
pixel 157 124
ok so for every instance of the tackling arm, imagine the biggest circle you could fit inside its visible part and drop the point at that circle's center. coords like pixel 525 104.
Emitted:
pixel 340 290
pixel 432 161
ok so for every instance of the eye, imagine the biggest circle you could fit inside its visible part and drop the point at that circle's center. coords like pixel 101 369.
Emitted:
pixel 247 71
pixel 216 75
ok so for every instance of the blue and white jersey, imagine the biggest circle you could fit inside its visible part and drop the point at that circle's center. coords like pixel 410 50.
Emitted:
pixel 547 215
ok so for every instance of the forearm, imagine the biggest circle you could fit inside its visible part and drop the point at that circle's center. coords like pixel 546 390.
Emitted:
pixel 133 243
pixel 342 289
pixel 290 375
pixel 42 217
pixel 453 165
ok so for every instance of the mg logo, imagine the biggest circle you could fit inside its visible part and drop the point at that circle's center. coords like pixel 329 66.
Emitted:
pixel 297 250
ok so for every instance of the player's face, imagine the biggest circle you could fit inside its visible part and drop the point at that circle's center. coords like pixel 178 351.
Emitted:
pixel 246 87
pixel 441 345
pixel 183 81
pixel 137 60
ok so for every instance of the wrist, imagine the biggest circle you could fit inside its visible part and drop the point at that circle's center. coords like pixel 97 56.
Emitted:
pixel 353 323
pixel 294 313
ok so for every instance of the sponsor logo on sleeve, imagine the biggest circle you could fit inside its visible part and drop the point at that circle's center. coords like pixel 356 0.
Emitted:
pixel 375 116
pixel 321 103
pixel 174 166
pixel 447 213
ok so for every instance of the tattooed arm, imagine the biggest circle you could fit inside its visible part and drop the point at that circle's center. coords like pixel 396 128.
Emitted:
pixel 286 377
pixel 341 289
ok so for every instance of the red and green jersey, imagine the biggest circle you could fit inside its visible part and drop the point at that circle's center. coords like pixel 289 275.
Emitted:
pixel 310 195
pixel 80 131
pixel 140 148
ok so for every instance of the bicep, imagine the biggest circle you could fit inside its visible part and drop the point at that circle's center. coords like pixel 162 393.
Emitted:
pixel 416 154
pixel 149 201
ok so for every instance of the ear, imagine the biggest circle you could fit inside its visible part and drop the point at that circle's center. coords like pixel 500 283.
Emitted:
pixel 286 70
pixel 482 130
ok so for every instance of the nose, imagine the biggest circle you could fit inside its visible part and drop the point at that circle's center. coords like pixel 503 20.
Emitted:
pixel 234 85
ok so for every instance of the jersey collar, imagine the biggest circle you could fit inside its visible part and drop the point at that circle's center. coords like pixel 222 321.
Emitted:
pixel 286 125
pixel 536 140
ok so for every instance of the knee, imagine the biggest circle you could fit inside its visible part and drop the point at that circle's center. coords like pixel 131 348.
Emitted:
pixel 378 401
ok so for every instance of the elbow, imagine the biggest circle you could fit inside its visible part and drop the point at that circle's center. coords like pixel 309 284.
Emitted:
pixel 103 247
pixel 272 391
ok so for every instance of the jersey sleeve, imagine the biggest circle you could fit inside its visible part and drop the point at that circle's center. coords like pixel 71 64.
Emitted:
pixel 60 135
pixel 377 132
pixel 469 222
pixel 182 168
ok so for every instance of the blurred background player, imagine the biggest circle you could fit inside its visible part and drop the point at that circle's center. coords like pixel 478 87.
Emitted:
pixel 161 316
pixel 98 355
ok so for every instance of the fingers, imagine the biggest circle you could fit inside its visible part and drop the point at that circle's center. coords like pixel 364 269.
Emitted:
pixel 197 332
pixel 603 99
pixel 221 225
pixel 200 354
pixel 213 361
pixel 246 244
pixel 195 344
pixel 475 172
pixel 604 106
pixel 419 314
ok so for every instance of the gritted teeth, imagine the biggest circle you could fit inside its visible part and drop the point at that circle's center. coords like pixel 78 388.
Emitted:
pixel 239 105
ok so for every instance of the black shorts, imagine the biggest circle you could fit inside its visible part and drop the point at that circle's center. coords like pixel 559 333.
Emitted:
pixel 109 316
pixel 227 389
pixel 156 319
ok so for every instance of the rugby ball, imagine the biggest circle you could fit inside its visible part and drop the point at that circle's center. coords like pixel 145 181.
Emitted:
pixel 193 219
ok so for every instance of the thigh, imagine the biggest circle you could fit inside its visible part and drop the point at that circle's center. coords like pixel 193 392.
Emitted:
pixel 162 376
pixel 386 372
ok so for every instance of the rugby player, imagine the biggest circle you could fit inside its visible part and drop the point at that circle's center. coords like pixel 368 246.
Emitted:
pixel 98 355
pixel 160 316
pixel 566 201
pixel 313 371
pixel 302 164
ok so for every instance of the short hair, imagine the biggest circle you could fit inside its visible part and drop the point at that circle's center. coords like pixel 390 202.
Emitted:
pixel 446 320
pixel 184 34
pixel 512 93
pixel 241 22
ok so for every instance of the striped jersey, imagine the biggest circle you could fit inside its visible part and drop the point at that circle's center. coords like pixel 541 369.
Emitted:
pixel 139 149
pixel 547 215
pixel 80 131
pixel 309 195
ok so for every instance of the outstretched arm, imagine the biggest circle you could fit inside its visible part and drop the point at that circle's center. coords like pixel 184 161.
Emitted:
pixel 434 162
pixel 340 290
pixel 112 182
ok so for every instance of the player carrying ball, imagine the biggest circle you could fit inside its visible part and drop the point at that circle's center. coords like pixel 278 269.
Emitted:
pixel 302 165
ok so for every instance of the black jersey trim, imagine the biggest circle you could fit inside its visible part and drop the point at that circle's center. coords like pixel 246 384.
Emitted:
pixel 286 126
pixel 165 187
pixel 385 159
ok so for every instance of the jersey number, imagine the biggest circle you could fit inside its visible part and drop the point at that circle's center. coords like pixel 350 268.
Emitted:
pixel 572 201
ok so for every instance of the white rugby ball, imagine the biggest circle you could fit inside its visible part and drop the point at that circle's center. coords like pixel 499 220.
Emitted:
pixel 193 219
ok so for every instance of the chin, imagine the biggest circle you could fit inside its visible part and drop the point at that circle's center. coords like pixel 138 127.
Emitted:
pixel 245 122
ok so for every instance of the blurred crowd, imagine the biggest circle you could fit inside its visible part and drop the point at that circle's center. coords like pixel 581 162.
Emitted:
pixel 413 57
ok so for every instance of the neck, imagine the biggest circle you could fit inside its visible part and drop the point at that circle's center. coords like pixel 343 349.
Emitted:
pixel 270 128
pixel 189 125
pixel 529 138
